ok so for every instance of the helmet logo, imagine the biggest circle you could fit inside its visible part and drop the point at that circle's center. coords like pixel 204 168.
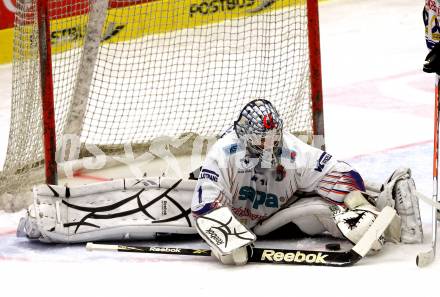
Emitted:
pixel 268 121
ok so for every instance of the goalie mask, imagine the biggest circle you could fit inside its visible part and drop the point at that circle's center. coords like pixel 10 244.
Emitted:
pixel 260 126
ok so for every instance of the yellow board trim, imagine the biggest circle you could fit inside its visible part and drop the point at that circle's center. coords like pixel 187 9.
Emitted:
pixel 158 17
pixel 6 38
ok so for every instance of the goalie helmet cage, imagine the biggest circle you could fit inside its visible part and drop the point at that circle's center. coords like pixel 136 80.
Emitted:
pixel 116 72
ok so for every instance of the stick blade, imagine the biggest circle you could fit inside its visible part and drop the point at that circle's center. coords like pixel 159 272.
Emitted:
pixel 424 259
pixel 90 246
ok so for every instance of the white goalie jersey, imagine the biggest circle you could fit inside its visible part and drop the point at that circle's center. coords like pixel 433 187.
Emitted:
pixel 230 176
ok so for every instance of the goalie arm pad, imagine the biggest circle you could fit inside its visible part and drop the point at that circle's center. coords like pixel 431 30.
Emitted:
pixel 124 209
pixel 226 236
pixel 339 182
pixel 213 188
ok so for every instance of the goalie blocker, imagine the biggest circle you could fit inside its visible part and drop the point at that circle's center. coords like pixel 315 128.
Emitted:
pixel 227 237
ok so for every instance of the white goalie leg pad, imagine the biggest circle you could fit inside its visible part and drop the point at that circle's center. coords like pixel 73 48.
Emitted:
pixel 313 215
pixel 399 191
pixel 124 209
pixel 226 236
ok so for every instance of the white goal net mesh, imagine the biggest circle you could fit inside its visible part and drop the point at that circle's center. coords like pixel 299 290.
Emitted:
pixel 159 68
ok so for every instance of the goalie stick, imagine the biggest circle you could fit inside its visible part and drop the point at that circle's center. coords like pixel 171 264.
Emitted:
pixel 425 258
pixel 430 202
pixel 283 256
